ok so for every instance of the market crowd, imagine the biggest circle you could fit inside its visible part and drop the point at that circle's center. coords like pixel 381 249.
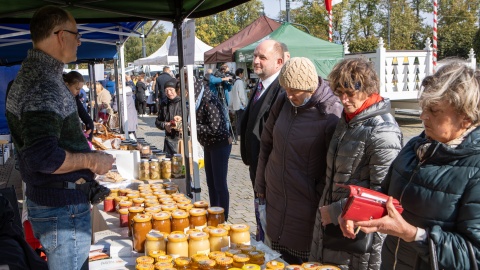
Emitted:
pixel 304 138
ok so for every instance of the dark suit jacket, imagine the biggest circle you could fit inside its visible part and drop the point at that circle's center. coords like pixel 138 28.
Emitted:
pixel 160 86
pixel 253 121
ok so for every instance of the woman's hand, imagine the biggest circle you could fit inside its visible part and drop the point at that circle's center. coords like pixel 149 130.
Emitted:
pixel 391 224
pixel 347 227
pixel 326 219
pixel 168 127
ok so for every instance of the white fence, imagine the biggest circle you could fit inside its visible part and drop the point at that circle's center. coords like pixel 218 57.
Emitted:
pixel 401 72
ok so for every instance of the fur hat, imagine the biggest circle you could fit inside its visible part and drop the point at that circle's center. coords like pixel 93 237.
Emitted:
pixel 299 73
pixel 170 83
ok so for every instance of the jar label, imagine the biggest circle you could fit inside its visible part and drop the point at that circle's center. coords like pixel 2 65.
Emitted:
pixel 204 252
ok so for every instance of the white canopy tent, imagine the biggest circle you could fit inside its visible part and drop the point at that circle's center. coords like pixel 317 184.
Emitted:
pixel 161 57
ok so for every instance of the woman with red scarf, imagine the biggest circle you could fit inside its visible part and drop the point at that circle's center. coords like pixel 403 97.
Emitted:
pixel 366 141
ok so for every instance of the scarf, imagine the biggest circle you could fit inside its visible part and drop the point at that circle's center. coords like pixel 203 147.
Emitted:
pixel 372 99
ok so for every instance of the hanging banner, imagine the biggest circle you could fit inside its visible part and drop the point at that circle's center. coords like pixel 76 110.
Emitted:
pixel 188 35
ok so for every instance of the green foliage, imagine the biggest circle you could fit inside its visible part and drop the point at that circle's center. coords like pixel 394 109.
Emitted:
pixel 403 26
pixel 368 44
pixel 133 46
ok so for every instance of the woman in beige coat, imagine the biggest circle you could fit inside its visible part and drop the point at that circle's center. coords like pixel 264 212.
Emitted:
pixel 104 98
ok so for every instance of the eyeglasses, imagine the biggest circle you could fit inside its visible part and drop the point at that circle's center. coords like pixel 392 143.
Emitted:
pixel 77 34
pixel 350 93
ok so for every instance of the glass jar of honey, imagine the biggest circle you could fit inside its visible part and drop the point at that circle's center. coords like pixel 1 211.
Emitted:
pixel 207 264
pixel 275 265
pixel 177 245
pixel 177 163
pixel 239 234
pixel 240 260
pixel 201 204
pixel 257 257
pixel 124 204
pixel 154 241
pixel 198 218
pixel 108 204
pixel 163 265
pixel 164 258
pixel 141 226
pixel 185 206
pixel 215 216
pixel 171 190
pixel 144 170
pixel 132 196
pixel 144 266
pixel 167 201
pixel 113 192
pixel 153 210
pixel 182 263
pixel 133 211
pixel 145 151
pixel 198 244
pixel 166 168
pixel 198 258
pixel 161 222
pixel 169 207
pixel 184 201
pixel 224 263
pixel 123 191
pixel 232 252
pixel 154 169
pixel 218 239
pixel 123 217
pixel 155 253
pixel 138 201
pixel 245 248
pixel 216 254
pixel 145 259
pixel 180 221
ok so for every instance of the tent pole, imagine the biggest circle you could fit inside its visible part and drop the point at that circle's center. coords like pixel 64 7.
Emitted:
pixel 124 94
pixel 188 177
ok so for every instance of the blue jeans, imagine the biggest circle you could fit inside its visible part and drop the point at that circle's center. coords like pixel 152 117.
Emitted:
pixel 64 232
pixel 216 168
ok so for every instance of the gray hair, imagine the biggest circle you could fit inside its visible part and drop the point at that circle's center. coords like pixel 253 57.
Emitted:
pixel 455 83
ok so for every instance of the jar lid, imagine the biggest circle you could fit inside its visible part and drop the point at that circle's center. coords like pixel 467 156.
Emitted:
pixel 163 265
pixel 311 265
pixel 216 254
pixel 135 209
pixel 200 204
pixel 256 254
pixel 199 257
pixel 125 203
pixel 218 232
pixel 179 214
pixel 224 260
pixel 293 267
pixel 241 258
pixel 208 228
pixel 108 198
pixel 191 231
pixel 247 248
pixel 155 253
pixel 123 211
pixel 138 200
pixel 133 195
pixel 184 201
pixel 251 267
pixel 198 212
pixel 240 227
pixel 206 264
pixel 275 265
pixel 153 209
pixel 177 155
pixel 154 235
pixel 328 267
pixel 177 237
pixel 142 218
pixel 199 236
pixel 183 261
pixel 161 216
pixel 185 206
pixel 151 197
pixel 216 210
pixel 224 226
pixel 164 258
pixel 169 207
pixel 164 196
pixel 143 160
pixel 144 266
pixel 145 259
pixel 166 159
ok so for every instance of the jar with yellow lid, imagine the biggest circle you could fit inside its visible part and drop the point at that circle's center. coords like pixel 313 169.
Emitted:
pixel 138 201
pixel 145 259
pixel 144 194
pixel 117 200
pixel 239 260
pixel 219 239
pixel 151 197
pixel 198 218
pixel 132 196
pixel 216 254
pixel 180 221
pixel 166 168
pixel 183 201
pixel 293 267
pixel 246 248
pixel 124 204
pixel 239 234
pixel 123 191
pixel 224 263
pixel 164 258
pixel 190 231
pixel 144 266
pixel 178 196
pixel 275 265
pixel 198 244
pixel 154 169
pixel 177 245
pixel 163 265
pixel 169 207
pixel 154 241
pixel 208 228
pixel 251 266
pixel 108 204
pixel 123 217
pixel 207 264
pixel 153 209
pixel 257 257
pixel 168 268
pixel 197 258
pixel 171 190
pixel 177 163
pixel 311 265
pixel 133 211
pixel 232 252
pixel 182 263
pixel 201 204
pixel 144 170
pixel 185 206
pixel 225 226
pixel 156 253
pixel 161 222
pixel 150 203
pixel 141 226
pixel 215 216
pixel 114 192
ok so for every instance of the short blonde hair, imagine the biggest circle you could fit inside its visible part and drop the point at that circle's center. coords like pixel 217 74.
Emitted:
pixel 355 73
pixel 455 83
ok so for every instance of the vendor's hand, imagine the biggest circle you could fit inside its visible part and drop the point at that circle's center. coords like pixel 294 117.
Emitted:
pixel 100 162
pixel 168 127
pixel 347 227
pixel 88 131
pixel 391 224
pixel 326 219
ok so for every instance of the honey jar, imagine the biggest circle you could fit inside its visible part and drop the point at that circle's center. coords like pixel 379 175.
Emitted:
pixel 133 211
pixel 155 253
pixel 185 206
pixel 108 204
pixel 207 264
pixel 124 204
pixel 240 260
pixel 164 258
pixel 153 210
pixel 184 201
pixel 224 263
pixel 154 169
pixel 171 190
pixel 293 267
pixel 154 241
pixel 167 201
pixel 177 245
pixel 180 221
pixel 216 254
pixel 141 226
pixel 114 192
pixel 182 263
pixel 275 265
pixel 145 151
pixel 198 244
pixel 138 201
pixel 239 234
pixel 311 265
pixel 208 228
pixel 123 191
pixel 198 258
pixel 161 222
pixel 251 267
pixel 163 265
pixel 232 252
pixel 132 196
pixel 144 259
pixel 123 217
pixel 166 168
pixel 257 257
pixel 144 170
pixel 226 227
pixel 201 204
pixel 144 266
pixel 215 216
pixel 177 163
pixel 198 218
pixel 245 248
pixel 219 240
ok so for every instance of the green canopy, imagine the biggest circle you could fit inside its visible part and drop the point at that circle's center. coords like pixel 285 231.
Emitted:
pixel 300 44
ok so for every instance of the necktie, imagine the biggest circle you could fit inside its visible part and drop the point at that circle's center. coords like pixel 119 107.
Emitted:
pixel 258 93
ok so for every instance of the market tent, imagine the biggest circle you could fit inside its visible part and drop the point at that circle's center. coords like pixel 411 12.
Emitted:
pixel 300 44
pixel 161 57
pixel 224 52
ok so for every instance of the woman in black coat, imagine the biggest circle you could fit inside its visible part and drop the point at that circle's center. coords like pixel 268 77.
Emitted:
pixel 169 108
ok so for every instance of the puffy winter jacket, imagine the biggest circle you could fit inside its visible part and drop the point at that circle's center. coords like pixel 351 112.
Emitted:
pixel 360 153
pixel 292 163
pixel 441 193
pixel 168 109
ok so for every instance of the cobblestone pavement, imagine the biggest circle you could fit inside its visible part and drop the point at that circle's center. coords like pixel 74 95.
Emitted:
pixel 240 187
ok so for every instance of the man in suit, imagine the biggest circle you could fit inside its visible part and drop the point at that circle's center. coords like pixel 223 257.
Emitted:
pixel 164 77
pixel 267 62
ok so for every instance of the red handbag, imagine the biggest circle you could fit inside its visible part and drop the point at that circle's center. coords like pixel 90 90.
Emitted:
pixel 366 204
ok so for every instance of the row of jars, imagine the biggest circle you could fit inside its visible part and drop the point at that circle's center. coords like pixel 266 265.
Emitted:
pixel 156 169
pixel 238 256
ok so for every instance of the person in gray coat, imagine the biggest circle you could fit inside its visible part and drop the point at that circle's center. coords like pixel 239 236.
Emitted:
pixel 292 162
pixel 366 141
